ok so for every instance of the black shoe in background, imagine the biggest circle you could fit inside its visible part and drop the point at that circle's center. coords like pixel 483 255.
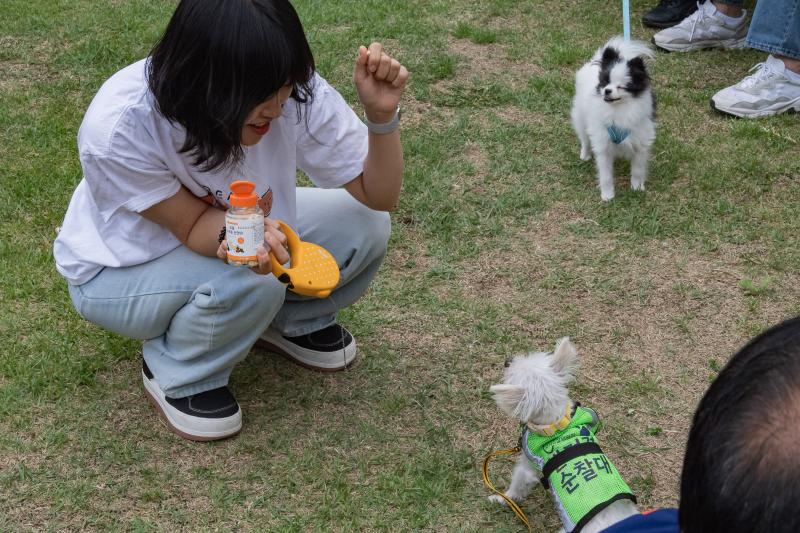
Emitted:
pixel 668 13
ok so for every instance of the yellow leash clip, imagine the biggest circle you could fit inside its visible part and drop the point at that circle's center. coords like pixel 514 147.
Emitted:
pixel 312 271
pixel 511 503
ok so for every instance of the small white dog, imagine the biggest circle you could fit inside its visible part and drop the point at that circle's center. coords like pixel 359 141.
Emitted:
pixel 558 443
pixel 613 111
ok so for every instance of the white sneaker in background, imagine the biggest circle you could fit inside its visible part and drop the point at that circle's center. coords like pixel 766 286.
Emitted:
pixel 705 28
pixel 769 91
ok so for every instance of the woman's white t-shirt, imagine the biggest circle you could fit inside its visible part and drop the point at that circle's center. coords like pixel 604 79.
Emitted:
pixel 130 158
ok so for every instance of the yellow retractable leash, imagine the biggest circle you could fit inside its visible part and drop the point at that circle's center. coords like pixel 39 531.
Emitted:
pixel 312 269
pixel 549 429
pixel 511 503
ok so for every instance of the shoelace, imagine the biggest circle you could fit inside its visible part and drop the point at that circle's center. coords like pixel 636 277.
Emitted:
pixel 695 18
pixel 763 73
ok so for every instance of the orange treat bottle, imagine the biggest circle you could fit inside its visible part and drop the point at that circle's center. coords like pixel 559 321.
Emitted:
pixel 244 224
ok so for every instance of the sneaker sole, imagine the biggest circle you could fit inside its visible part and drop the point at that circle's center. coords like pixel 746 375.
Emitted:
pixel 155 396
pixel 793 107
pixel 276 346
pixel 730 44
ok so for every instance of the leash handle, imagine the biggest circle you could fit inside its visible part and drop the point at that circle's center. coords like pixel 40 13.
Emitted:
pixel 626 19
pixel 313 271
pixel 511 503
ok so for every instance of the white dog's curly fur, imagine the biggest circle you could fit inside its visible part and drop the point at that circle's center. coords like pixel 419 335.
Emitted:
pixel 613 89
pixel 534 390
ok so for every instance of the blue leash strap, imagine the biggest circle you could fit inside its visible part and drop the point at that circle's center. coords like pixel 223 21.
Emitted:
pixel 626 19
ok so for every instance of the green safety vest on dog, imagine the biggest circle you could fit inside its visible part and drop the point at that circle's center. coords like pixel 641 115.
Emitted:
pixel 575 470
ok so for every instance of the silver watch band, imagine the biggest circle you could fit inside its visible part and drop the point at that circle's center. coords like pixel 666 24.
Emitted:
pixel 386 127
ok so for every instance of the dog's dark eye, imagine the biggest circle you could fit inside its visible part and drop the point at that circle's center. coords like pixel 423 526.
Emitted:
pixel 507 363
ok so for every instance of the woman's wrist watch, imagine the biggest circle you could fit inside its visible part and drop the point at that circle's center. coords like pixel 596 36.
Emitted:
pixel 386 127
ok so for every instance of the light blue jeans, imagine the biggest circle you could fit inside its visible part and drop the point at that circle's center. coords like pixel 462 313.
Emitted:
pixel 199 316
pixel 775 27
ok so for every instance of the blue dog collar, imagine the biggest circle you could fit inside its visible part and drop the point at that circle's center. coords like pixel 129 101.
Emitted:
pixel 617 134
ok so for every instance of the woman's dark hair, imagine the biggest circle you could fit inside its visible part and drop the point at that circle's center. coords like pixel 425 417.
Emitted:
pixel 741 472
pixel 219 59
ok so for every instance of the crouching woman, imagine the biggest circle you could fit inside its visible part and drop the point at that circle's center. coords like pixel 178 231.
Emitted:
pixel 230 91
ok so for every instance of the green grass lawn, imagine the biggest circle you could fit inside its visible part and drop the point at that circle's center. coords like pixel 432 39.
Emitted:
pixel 500 245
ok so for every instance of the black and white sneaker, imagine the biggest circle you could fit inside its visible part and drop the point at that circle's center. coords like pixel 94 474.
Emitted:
pixel 327 350
pixel 210 415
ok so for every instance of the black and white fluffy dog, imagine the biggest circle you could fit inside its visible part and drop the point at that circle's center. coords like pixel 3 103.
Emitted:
pixel 613 111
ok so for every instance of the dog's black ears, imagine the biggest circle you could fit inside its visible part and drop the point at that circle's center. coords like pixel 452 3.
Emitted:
pixel 637 65
pixel 639 78
pixel 610 56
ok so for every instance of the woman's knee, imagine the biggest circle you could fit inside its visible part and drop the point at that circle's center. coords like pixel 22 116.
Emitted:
pixel 377 228
pixel 245 291
pixel 267 296
pixel 239 296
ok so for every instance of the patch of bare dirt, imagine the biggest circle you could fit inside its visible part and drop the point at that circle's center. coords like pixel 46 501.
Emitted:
pixel 20 73
pixel 489 62
pixel 416 112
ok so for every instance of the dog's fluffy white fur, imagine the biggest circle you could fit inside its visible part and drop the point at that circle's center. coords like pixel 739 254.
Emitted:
pixel 614 89
pixel 534 390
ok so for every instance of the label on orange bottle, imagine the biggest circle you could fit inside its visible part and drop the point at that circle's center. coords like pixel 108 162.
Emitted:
pixel 244 235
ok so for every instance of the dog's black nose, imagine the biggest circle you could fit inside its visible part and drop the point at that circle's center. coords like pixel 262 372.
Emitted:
pixel 607 91
pixel 507 363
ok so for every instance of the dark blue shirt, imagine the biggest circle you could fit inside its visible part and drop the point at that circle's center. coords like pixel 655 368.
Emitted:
pixel 661 521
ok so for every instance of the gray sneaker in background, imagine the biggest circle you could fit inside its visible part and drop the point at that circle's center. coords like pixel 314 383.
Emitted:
pixel 703 29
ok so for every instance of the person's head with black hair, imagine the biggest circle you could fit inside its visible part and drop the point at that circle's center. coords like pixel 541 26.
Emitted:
pixel 741 472
pixel 218 61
